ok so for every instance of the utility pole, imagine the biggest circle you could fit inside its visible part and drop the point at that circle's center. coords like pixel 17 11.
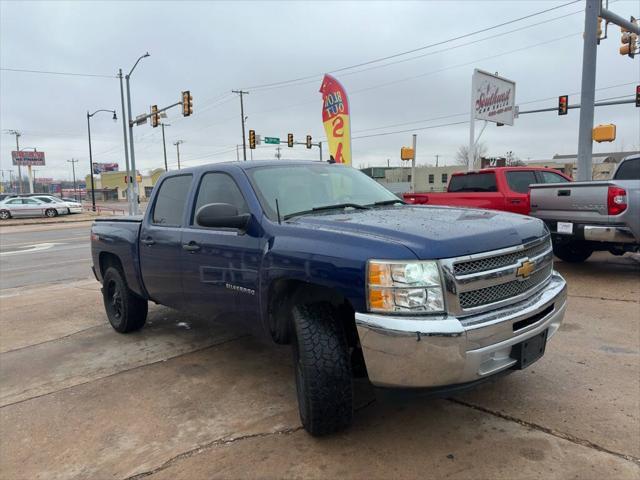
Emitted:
pixel 73 168
pixel 177 144
pixel 588 90
pixel 164 145
pixel 413 164
pixel 437 156
pixel 237 153
pixel 17 134
pixel 126 150
pixel 278 154
pixel 244 141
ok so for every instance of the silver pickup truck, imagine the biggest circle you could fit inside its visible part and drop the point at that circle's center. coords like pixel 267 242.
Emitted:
pixel 587 216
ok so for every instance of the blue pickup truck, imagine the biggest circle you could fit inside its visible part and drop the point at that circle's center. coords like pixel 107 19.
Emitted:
pixel 322 257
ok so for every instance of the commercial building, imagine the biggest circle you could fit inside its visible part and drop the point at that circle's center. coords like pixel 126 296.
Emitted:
pixel 113 185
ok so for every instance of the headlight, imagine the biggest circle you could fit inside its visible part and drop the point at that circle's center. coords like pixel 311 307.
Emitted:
pixel 404 287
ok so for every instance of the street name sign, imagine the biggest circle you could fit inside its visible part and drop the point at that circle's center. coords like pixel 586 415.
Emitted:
pixel 272 140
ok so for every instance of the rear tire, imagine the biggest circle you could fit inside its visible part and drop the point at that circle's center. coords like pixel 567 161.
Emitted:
pixel 51 212
pixel 322 369
pixel 126 311
pixel 5 214
pixel 574 252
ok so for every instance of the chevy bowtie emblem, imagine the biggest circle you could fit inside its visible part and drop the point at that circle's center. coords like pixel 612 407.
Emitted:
pixel 525 269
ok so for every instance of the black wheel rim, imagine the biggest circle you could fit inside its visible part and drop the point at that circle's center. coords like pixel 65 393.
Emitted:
pixel 114 300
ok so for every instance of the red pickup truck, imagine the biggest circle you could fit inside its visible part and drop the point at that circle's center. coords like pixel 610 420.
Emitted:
pixel 499 188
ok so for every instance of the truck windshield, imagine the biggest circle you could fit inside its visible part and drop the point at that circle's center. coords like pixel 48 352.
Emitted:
pixel 302 188
pixel 473 182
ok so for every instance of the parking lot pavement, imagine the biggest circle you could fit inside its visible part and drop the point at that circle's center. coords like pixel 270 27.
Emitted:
pixel 185 398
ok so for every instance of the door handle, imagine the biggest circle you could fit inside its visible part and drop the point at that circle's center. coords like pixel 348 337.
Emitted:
pixel 148 241
pixel 515 201
pixel 564 193
pixel 191 246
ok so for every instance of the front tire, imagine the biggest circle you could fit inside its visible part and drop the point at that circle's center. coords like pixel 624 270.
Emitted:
pixel 573 252
pixel 51 212
pixel 5 215
pixel 126 311
pixel 322 369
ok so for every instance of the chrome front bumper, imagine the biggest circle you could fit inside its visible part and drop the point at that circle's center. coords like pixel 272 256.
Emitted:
pixel 402 351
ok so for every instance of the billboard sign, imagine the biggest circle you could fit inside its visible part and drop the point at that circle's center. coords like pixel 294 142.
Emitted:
pixel 104 167
pixel 23 158
pixel 492 97
pixel 336 119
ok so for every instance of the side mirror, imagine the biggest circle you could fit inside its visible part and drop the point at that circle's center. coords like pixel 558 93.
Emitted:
pixel 221 215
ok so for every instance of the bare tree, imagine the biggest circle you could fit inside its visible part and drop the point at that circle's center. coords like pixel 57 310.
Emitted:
pixel 462 155
pixel 513 160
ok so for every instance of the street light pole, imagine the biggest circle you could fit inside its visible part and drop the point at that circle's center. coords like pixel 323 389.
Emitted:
pixel 17 134
pixel 93 192
pixel 133 200
pixel 177 144
pixel 124 136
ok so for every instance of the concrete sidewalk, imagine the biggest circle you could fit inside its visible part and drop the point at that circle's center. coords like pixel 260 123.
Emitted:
pixel 187 399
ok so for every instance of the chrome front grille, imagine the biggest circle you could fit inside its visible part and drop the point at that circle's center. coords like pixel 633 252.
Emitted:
pixel 484 296
pixel 474 266
pixel 485 281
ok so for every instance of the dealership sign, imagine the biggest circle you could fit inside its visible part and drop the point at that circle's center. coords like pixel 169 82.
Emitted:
pixel 492 98
pixel 23 158
pixel 104 167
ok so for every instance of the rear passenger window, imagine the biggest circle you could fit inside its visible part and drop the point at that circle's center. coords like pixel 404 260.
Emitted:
pixel 629 170
pixel 550 177
pixel 520 181
pixel 171 201
pixel 473 182
pixel 219 188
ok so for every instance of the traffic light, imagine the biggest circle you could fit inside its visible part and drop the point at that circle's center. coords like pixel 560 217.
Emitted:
pixel 308 141
pixel 252 139
pixel 637 95
pixel 187 103
pixel 563 104
pixel 290 139
pixel 155 118
pixel 629 40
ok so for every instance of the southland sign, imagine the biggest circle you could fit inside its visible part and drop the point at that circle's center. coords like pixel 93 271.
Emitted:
pixel 493 98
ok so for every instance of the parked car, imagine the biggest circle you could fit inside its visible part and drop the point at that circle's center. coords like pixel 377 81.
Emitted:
pixel 30 207
pixel 72 205
pixel 324 258
pixel 584 217
pixel 500 188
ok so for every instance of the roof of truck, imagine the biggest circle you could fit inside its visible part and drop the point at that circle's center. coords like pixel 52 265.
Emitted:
pixel 248 165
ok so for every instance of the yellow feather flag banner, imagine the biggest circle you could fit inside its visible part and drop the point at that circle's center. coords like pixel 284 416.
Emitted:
pixel 335 117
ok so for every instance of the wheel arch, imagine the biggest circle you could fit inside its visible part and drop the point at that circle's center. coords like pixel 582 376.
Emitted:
pixel 284 293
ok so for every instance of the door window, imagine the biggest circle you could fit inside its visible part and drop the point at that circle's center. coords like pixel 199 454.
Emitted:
pixel 519 181
pixel 219 188
pixel 171 201
pixel 15 201
pixel 629 170
pixel 30 201
pixel 473 182
pixel 550 177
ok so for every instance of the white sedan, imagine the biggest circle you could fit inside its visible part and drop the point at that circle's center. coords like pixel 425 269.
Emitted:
pixel 30 207
pixel 72 205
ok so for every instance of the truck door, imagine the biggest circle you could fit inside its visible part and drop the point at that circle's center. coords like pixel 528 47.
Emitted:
pixel 160 241
pixel 220 265
pixel 517 195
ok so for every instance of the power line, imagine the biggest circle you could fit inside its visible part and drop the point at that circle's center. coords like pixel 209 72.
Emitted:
pixel 406 52
pixel 48 72
pixel 445 50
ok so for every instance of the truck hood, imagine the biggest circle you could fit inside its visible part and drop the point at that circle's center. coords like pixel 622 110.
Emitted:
pixel 432 232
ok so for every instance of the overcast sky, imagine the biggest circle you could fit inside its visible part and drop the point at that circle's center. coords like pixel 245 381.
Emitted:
pixel 211 48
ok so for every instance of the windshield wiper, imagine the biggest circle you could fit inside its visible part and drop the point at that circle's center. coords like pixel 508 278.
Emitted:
pixel 327 207
pixel 387 202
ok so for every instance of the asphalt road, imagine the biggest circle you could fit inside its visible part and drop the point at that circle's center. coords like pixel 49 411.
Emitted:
pixel 36 254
